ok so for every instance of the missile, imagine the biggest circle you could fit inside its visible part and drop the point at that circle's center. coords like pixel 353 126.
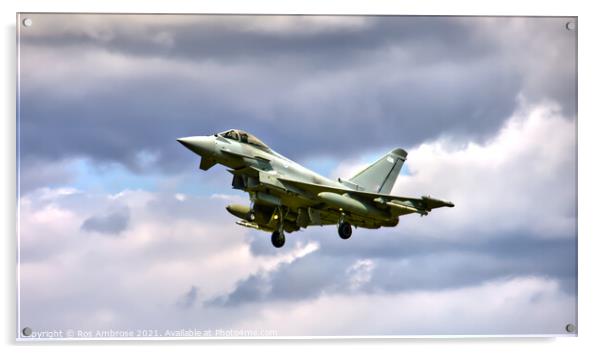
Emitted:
pixel 344 202
pixel 404 209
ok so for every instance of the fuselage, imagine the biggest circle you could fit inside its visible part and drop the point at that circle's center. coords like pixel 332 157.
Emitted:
pixel 236 154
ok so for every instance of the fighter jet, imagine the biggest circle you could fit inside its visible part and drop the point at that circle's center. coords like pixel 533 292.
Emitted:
pixel 286 197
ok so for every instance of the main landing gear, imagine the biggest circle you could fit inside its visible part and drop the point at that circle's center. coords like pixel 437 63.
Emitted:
pixel 278 235
pixel 278 238
pixel 345 230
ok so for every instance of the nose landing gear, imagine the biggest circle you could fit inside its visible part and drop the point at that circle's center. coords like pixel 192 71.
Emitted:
pixel 278 239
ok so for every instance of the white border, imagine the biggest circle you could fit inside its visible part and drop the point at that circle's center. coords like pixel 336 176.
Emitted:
pixel 589 172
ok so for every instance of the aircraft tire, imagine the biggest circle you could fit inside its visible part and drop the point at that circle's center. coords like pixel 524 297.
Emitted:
pixel 345 230
pixel 278 239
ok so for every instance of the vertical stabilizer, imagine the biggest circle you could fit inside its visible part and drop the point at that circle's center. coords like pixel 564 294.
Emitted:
pixel 380 176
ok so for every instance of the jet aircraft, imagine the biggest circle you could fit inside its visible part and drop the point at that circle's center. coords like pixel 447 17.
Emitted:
pixel 286 196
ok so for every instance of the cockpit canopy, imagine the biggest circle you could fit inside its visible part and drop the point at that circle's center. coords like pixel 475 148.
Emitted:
pixel 244 137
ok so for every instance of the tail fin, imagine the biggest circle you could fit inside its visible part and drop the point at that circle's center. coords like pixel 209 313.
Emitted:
pixel 382 174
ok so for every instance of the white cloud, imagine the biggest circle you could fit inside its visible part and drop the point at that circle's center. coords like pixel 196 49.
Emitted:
pixel 522 179
pixel 230 198
pixel 523 305
pixel 360 273
pixel 181 197
pixel 85 279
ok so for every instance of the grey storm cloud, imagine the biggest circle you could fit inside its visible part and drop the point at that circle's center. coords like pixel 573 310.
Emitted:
pixel 406 263
pixel 37 173
pixel 112 223
pixel 189 299
pixel 304 89
pixel 305 278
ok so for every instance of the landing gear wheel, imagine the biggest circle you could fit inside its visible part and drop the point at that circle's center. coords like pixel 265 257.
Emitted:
pixel 345 230
pixel 278 239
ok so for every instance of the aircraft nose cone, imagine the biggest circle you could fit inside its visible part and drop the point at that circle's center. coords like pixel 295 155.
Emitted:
pixel 187 142
pixel 200 145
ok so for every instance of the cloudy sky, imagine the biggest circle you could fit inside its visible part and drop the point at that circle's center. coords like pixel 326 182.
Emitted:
pixel 120 230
